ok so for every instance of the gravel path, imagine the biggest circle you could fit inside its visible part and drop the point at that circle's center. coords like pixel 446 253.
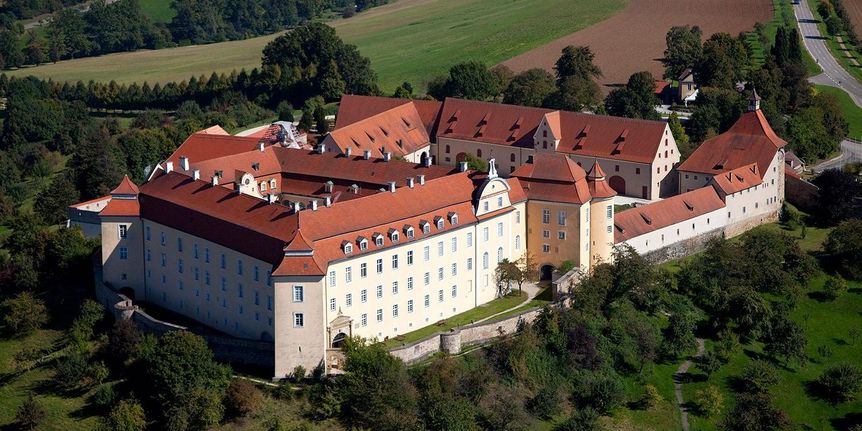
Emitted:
pixel 678 380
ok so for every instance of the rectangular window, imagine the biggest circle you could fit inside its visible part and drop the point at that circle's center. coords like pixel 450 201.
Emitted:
pixel 162 239
pixel 427 278
pixel 363 296
pixel 499 202
pixel 454 269
pixel 454 291
pixel 394 287
pixel 124 253
pixel 180 245
pixel 499 229
pixel 379 266
pixel 485 235
pixel 149 255
pixel 410 257
pixel 147 233
pixel 207 255
pixel 426 253
pixel 223 262
pixel 546 216
pixel 518 217
pixel 269 302
pixel 610 229
pixel 207 278
pixel 256 298
pixel 380 291
pixel 454 244
pixel 427 301
pixel 195 250
pixel 348 274
pixel 331 304
pixel 364 319
pixel 561 218
pixel 240 290
pixel 348 300
pixel 409 283
pixel 164 260
pixel 440 248
pixel 256 273
pixel 395 310
pixel 180 266
pixel 379 314
pixel 331 278
pixel 440 273
pixel 239 267
pixel 610 212
pixel 561 235
pixel 440 295
pixel 409 305
pixel 394 261
pixel 123 230
pixel 298 320
pixel 546 248
pixel 546 233
pixel 469 264
pixel 469 239
pixel 363 270
pixel 298 294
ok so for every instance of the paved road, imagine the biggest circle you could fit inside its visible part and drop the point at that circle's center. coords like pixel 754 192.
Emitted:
pixel 851 152
pixel 833 74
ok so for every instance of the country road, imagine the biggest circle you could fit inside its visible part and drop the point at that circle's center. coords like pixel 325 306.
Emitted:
pixel 833 74
pixel 851 152
pixel 46 18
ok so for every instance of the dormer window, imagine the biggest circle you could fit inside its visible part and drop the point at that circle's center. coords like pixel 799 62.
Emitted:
pixel 408 230
pixel 453 218
pixel 347 246
pixel 393 235
pixel 425 226
pixel 363 243
pixel 378 239
pixel 272 183
pixel 263 186
pixel 327 186
pixel 438 221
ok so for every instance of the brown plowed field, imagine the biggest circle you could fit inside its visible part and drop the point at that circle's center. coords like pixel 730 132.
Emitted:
pixel 633 40
pixel 854 8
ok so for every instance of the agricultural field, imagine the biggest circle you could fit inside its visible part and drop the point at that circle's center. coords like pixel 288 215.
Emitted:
pixel 854 8
pixel 619 54
pixel 408 40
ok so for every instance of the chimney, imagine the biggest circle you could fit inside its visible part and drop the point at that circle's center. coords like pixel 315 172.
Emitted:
pixel 260 146
pixel 184 163
pixel 196 175
pixel 462 166
pixel 492 168
pixel 169 167
pixel 421 180
pixel 347 152
pixel 355 189
pixel 387 156
pixel 314 205
pixel 321 148
pixel 392 186
pixel 327 201
pixel 410 182
pixel 215 180
pixel 427 162
pixel 366 154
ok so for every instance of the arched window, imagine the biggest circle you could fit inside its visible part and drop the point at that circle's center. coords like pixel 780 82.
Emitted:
pixel 485 260
pixel 448 149
pixel 512 157
pixel 499 254
pixel 272 183
pixel 479 152
pixel 517 242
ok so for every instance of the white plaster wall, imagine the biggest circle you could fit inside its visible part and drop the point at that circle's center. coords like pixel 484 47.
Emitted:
pixel 678 232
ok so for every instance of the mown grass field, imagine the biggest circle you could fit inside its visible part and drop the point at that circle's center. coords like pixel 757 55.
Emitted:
pixel 852 113
pixel 408 40
pixel 157 10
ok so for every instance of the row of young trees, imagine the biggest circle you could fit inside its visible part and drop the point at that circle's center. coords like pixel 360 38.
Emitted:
pixel 838 21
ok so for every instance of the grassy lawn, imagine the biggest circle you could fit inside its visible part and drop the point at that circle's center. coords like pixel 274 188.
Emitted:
pixel 64 413
pixel 465 318
pixel 852 113
pixel 409 40
pixel 783 17
pixel 157 10
pixel 825 324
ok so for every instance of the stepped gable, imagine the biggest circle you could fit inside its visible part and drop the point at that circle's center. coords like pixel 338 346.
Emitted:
pixel 648 218
pixel 739 179
pixel 751 139
pixel 610 137
pixel 398 130
pixel 494 123
pixel 553 177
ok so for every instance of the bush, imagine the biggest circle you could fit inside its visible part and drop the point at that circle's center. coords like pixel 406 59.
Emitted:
pixel 758 377
pixel 72 371
pixel 24 313
pixel 602 391
pixel 709 363
pixel 548 401
pixel 30 414
pixel 284 111
pixel 104 396
pixel 840 382
pixel 123 341
pixel 585 419
pixel 834 287
pixel 709 401
pixel 651 397
pixel 299 373
pixel 844 245
pixel 242 398
pixel 128 415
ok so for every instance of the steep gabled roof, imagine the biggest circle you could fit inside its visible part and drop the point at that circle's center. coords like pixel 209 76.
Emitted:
pixel 354 108
pixel 553 177
pixel 201 146
pixel 398 130
pixel 750 139
pixel 648 218
pixel 126 187
pixel 610 137
pixel 494 123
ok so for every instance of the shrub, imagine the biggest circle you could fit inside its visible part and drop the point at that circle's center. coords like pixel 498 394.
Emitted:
pixel 840 382
pixel 585 419
pixel 757 377
pixel 548 401
pixel 127 415
pixel 299 373
pixel 71 372
pixel 602 391
pixel 709 401
pixel 834 287
pixel 30 414
pixel 123 341
pixel 651 397
pixel 709 363
pixel 104 396
pixel 242 398
pixel 24 313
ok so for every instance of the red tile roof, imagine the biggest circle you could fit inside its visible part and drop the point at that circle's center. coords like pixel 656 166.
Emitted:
pixel 648 218
pixel 790 172
pixel 610 137
pixel 354 108
pixel 599 187
pixel 553 177
pixel 121 208
pixel 126 187
pixel 398 131
pixel 200 146
pixel 751 139
pixel 487 122
pixel 738 179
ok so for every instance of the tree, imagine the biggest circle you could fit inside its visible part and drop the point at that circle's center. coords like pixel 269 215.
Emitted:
pixel 527 270
pixel 840 382
pixel 242 398
pixel 833 206
pixel 123 341
pixel 577 61
pixel 602 391
pixel 756 412
pixel 709 363
pixel 709 401
pixel 677 130
pixel 785 338
pixel 471 80
pixel 530 88
pixel 679 335
pixel 574 94
pixel 586 419
pixel 834 25
pixel 684 49
pixel 506 273
pixel 757 377
pixel 30 414
pixel 127 415
pixel 180 376
pixel 834 287
pixel 844 245
pixel 24 313
pixel 284 111
pixel 723 62
pixel 636 100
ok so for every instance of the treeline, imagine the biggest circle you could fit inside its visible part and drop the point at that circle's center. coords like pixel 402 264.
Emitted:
pixel 122 26
pixel 838 21
pixel 26 9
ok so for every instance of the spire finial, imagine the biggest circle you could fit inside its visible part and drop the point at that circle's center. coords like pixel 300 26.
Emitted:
pixel 754 100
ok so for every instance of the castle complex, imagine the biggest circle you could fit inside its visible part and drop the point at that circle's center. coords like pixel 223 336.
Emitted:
pixel 382 229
